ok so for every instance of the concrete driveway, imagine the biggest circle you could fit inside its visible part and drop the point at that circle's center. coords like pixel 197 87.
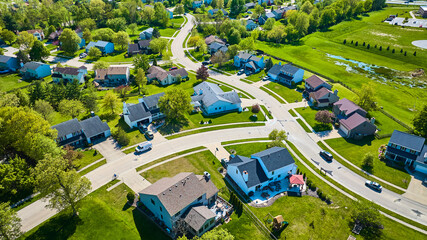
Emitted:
pixel 416 190
pixel 110 149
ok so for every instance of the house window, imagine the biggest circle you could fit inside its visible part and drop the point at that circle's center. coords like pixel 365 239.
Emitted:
pixel 216 108
pixel 272 173
pixel 393 145
pixel 161 209
pixel 403 148
pixel 161 216
pixel 237 171
pixel 412 151
pixel 219 108
pixel 152 201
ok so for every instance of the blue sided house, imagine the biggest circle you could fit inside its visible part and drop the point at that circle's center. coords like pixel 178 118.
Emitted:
pixel 249 62
pixel 408 149
pixel 263 18
pixel 211 99
pixel 105 47
pixel 269 2
pixel 170 13
pixel 82 43
pixel 213 12
pixel 146 34
pixel 197 4
pixel 9 63
pixel 35 70
pixel 287 74
pixel 251 25
pixel 264 171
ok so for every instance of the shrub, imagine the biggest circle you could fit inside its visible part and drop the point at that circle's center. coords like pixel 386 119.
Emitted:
pixel 363 44
pixel 210 121
pixel 201 122
pixel 256 108
pixel 368 162
pixel 313 187
pixel 300 88
pixel 369 46
pixel 357 43
pixel 375 45
pixel 405 53
pixel 121 137
pixel 401 50
pixel 392 51
pixel 131 197
pixel 351 41
pixel 381 48
pixel 415 53
pixel 303 175
pixel 388 48
pixel 320 193
pixel 345 41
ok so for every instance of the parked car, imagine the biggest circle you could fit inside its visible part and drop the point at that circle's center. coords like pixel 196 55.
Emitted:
pixel 240 72
pixel 172 68
pixel 83 55
pixel 266 78
pixel 326 155
pixel 205 62
pixel 149 134
pixel 374 185
pixel 142 147
pixel 142 128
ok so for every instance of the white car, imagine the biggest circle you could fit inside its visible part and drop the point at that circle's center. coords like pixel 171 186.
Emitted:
pixel 142 147
pixel 374 185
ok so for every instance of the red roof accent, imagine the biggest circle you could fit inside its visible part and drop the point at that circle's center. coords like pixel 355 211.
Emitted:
pixel 296 179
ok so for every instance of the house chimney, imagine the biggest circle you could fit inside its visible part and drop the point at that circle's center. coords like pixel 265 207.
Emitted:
pixel 92 113
pixel 124 106
pixel 200 91
pixel 373 120
pixel 336 92
pixel 245 176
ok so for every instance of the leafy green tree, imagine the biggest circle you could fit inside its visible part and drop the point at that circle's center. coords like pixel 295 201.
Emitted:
pixel 234 37
pixel 100 65
pixel 8 100
pixel 89 98
pixel 117 24
pixel 158 45
pixel 37 91
pixel 175 104
pixel 302 24
pixel 44 108
pixel 156 33
pixel 268 25
pixel 247 44
pixel 133 27
pixel 110 102
pixel 22 56
pixel 420 122
pixel 38 51
pixel 8 36
pixel 121 39
pixel 56 93
pixel 307 7
pixel 147 15
pixel 277 33
pixel 366 97
pixel 378 5
pixel 233 50
pixel 87 23
pixel 25 41
pixel 121 137
pixel 24 99
pixel 368 162
pixel 367 215
pixel 72 108
pixel 140 79
pixel 277 138
pixel 367 5
pixel 327 18
pixel 10 224
pixel 87 35
pixel 69 41
pixel 179 9
pixel 63 188
pixel 94 53
pixel 104 34
pixel 16 180
pixel 161 15
pixel 217 234
pixel 141 61
pixel 72 90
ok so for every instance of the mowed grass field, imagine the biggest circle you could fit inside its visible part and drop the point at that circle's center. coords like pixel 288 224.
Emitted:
pixel 395 98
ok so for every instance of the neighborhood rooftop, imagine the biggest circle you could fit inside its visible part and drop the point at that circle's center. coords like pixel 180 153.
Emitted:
pixel 407 140
pixel 314 81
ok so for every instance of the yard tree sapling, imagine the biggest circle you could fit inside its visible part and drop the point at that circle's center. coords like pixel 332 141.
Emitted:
pixel 117 24
pixel 44 108
pixel 141 61
pixel 16 179
pixel 366 97
pixel 87 35
pixel 140 79
pixel 110 102
pixel 175 104
pixel 121 137
pixel 94 53
pixel 324 117
pixel 277 138
pixel 368 162
pixel 133 27
pixel 72 108
pixel 10 223
pixel 220 58
pixel 367 215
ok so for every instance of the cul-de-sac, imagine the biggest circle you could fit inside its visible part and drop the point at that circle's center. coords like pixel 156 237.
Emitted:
pixel 213 119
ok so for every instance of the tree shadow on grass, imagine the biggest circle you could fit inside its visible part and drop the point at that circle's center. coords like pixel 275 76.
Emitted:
pixel 173 126
pixel 126 206
pixel 361 142
pixel 62 226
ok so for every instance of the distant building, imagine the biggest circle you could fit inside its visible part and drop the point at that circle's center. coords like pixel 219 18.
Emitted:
pixel 214 47
pixel 269 2
pixel 9 63
pixel 249 62
pixel 165 77
pixel 144 112
pixel 423 11
pixel 263 18
pixel 37 33
pixel 213 12
pixel 146 34
pixel 105 47
pixel 35 70
pixel 69 74
pixel 315 83
pixel 287 74
pixel 141 47
pixel 75 133
pixel 197 4
pixel 211 99
pixel 251 25
pixel 249 5
pixel 112 77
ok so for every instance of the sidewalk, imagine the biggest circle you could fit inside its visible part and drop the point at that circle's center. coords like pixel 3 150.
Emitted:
pixel 218 150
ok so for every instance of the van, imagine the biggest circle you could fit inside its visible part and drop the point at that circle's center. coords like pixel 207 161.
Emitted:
pixel 142 147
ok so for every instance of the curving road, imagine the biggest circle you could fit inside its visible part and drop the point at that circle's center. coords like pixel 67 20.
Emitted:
pixel 36 213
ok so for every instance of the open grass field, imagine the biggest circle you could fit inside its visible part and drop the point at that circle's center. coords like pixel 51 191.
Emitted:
pixel 257 76
pixel 102 215
pixel 289 94
pixel 354 151
pixel 11 81
pixel 310 217
pixel 394 95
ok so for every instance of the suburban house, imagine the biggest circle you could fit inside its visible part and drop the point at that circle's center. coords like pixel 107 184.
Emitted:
pixel 423 11
pixel 214 47
pixel 75 133
pixel 211 99
pixel 146 34
pixel 82 43
pixel 112 77
pixel 212 38
pixel 170 13
pixel 287 74
pixel 37 33
pixel 185 197
pixel 315 83
pixel 279 13
pixel 213 12
pixel 144 112
pixel 323 97
pixel 352 119
pixel 9 63
pixel 251 25
pixel 250 5
pixel 249 62
pixel 35 70
pixel 69 74
pixel 165 77
pixel 269 2
pixel 54 36
pixel 408 149
pixel 197 4
pixel 262 168
pixel 105 47
pixel 141 47
pixel 263 18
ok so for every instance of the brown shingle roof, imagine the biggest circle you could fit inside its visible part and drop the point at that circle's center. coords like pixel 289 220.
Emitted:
pixel 320 93
pixel 100 74
pixel 117 70
pixel 67 70
pixel 314 81
pixel 353 121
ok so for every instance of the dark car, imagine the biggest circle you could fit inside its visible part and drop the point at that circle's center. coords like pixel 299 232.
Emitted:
pixel 326 155
pixel 142 128
pixel 205 62
pixel 172 68
pixel 374 185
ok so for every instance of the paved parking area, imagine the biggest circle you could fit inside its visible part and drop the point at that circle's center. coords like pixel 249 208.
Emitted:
pixel 109 149
pixel 221 153
pixel 134 181
pixel 416 190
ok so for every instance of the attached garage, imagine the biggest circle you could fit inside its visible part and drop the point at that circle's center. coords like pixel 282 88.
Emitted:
pixel 95 129
pixel 344 130
pixel 421 168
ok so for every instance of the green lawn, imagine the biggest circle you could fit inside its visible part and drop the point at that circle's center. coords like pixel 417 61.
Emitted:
pixel 199 56
pixel 167 32
pixel 267 112
pixel 11 81
pixel 385 124
pixel 93 167
pixel 257 76
pixel 89 156
pixel 354 151
pixel 289 94
pixel 227 67
pixel 303 125
pixel 116 57
pixel 177 21
pixel 344 92
pixel 292 112
pixel 393 96
pixel 308 114
pixel 102 215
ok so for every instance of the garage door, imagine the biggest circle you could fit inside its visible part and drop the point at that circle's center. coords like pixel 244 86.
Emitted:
pixel 420 168
pixel 342 128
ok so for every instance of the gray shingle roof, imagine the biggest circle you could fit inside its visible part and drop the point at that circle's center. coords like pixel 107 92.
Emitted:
pixel 423 155
pixel 212 93
pixel 32 65
pixel 256 174
pixel 144 43
pixel 94 126
pixel 137 112
pixel 407 140
pixel 5 59
pixel 134 47
pixel 244 55
pixel 177 192
pixel 197 217
pixel 275 69
pixel 275 158
pixel 289 68
pixel 67 127
pixel 153 100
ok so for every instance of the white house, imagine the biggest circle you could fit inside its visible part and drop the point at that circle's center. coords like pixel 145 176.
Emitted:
pixel 185 196
pixel 144 112
pixel 252 174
